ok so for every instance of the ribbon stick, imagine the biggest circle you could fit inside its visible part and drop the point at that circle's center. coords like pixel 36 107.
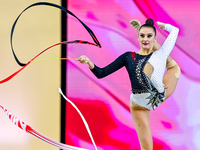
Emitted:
pixel 56 59
pixel 82 117
pixel 37 134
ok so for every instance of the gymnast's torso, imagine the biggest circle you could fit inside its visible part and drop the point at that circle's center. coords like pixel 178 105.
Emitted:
pixel 135 63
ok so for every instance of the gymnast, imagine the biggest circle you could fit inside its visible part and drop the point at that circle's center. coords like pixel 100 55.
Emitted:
pixel 172 75
pixel 146 70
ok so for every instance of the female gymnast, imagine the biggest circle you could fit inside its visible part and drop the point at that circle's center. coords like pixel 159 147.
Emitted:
pixel 146 70
pixel 172 75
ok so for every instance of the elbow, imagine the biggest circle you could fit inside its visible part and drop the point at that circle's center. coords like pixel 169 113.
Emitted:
pixel 99 77
pixel 177 30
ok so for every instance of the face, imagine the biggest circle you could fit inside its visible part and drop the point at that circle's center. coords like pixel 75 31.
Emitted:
pixel 146 38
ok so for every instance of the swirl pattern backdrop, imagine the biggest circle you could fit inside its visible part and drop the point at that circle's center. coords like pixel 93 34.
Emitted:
pixel 105 102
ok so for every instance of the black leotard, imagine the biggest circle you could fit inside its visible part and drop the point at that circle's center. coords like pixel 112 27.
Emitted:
pixel 134 64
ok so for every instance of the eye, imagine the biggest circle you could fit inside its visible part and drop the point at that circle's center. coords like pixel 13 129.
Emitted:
pixel 150 35
pixel 142 35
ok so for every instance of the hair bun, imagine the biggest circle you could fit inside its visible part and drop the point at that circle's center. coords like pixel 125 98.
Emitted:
pixel 149 22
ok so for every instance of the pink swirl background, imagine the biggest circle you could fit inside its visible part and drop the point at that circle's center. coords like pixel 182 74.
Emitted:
pixel 105 103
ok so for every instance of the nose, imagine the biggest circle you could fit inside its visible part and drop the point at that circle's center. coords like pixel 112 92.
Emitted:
pixel 145 38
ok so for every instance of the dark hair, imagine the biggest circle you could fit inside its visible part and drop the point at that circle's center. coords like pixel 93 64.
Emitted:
pixel 149 23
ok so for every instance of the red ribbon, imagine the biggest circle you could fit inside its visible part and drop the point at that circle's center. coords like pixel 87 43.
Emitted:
pixel 65 42
pixel 37 134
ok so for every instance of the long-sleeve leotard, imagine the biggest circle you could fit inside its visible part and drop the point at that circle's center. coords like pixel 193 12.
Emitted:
pixel 135 63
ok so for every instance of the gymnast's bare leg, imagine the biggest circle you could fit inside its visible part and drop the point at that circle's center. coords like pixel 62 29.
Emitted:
pixel 141 119
pixel 171 77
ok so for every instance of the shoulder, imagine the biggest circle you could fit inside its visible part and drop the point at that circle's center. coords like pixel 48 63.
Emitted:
pixel 126 56
pixel 128 53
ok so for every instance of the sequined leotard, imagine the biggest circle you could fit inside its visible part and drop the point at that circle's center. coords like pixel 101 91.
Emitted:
pixel 144 89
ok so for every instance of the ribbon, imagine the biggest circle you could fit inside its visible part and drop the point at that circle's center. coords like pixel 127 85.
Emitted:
pixel 82 117
pixel 66 11
pixel 65 42
pixel 37 134
pixel 20 123
pixel 44 138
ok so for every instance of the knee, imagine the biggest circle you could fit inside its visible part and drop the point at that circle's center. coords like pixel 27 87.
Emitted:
pixel 172 65
pixel 176 70
pixel 146 142
pixel 178 73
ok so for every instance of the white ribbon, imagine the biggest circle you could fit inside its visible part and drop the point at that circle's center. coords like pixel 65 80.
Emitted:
pixel 82 117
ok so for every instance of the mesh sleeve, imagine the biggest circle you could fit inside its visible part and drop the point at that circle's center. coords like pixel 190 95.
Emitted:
pixel 169 43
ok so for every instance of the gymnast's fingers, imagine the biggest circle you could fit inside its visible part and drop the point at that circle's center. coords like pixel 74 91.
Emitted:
pixel 161 25
pixel 83 59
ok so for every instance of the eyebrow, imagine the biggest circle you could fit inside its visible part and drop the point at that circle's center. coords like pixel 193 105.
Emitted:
pixel 147 34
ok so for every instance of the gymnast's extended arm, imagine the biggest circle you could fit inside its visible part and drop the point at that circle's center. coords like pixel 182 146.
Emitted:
pixel 107 70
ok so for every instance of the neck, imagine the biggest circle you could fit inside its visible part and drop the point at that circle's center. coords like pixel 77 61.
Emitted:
pixel 145 51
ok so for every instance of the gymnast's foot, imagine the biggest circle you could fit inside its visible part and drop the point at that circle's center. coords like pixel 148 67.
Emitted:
pixel 136 24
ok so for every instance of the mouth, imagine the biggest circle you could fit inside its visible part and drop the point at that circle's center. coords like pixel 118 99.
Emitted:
pixel 145 44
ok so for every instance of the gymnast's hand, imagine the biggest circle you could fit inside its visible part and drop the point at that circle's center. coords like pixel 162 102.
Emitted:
pixel 85 60
pixel 161 25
